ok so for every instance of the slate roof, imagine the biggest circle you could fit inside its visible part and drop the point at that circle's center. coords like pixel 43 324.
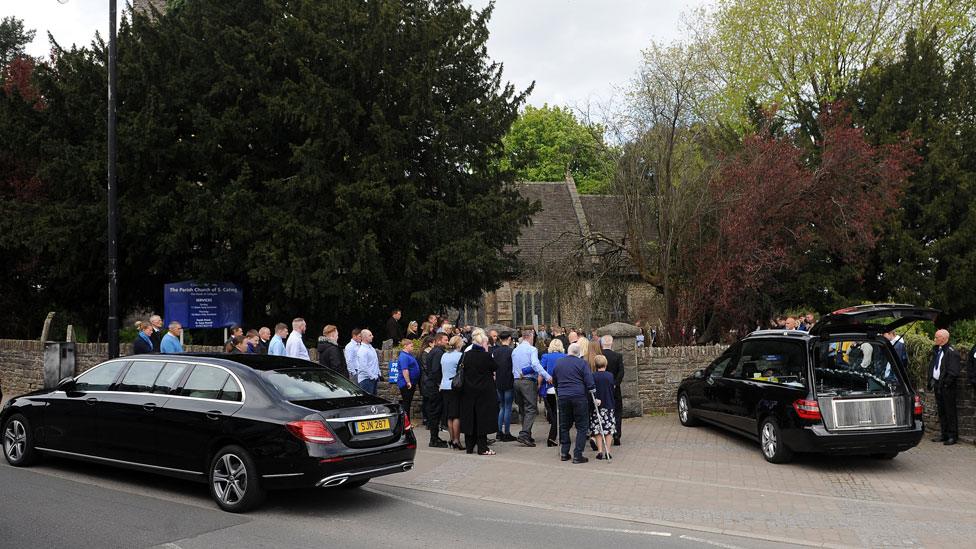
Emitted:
pixel 555 230
pixel 605 214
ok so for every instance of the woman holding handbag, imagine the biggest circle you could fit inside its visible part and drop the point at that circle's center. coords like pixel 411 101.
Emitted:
pixel 451 398
pixel 479 404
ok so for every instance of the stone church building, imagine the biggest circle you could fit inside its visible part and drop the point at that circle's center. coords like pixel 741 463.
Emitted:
pixel 565 277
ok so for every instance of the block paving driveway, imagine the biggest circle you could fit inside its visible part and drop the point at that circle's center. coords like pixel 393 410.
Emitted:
pixel 708 480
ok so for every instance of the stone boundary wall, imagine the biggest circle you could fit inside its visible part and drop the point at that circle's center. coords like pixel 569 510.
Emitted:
pixel 661 369
pixel 965 408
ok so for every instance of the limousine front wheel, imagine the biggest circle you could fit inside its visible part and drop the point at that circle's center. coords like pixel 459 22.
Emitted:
pixel 771 441
pixel 234 482
pixel 18 441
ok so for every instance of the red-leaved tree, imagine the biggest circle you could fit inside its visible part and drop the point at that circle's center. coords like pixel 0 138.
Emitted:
pixel 778 208
pixel 18 77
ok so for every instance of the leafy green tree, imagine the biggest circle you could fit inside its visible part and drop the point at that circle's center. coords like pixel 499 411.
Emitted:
pixel 13 38
pixel 928 255
pixel 336 159
pixel 544 143
pixel 52 210
pixel 803 55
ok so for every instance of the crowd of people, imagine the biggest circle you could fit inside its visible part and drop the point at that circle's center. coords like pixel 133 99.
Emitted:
pixel 470 379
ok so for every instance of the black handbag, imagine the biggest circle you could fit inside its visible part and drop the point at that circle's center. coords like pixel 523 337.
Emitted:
pixel 457 382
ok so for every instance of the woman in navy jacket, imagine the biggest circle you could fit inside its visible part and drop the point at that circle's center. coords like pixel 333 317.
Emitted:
pixel 143 344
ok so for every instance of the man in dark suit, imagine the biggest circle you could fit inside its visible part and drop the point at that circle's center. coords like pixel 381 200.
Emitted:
pixel 615 365
pixel 157 331
pixel 944 370
pixel 393 329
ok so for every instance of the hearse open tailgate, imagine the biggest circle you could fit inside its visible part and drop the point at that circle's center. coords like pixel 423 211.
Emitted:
pixel 871 319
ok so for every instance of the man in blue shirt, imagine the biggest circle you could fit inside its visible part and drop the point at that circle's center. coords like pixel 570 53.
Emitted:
pixel 573 380
pixel 277 345
pixel 171 341
pixel 367 363
pixel 526 370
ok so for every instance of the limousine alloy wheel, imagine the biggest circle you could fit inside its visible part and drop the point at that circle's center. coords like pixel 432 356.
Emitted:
pixel 684 412
pixel 234 482
pixel 771 441
pixel 18 446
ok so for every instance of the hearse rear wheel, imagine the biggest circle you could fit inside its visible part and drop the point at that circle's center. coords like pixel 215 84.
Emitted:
pixel 771 442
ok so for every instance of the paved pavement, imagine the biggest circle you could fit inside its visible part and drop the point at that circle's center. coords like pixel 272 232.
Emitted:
pixel 69 505
pixel 703 478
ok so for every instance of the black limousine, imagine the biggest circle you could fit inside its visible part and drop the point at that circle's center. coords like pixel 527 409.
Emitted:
pixel 838 388
pixel 243 424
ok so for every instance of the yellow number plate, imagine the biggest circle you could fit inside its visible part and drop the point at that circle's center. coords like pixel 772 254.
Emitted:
pixel 372 425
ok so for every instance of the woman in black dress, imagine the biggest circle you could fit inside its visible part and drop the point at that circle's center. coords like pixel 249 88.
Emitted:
pixel 479 404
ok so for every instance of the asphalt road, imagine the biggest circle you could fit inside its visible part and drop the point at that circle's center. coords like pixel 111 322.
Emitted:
pixel 66 504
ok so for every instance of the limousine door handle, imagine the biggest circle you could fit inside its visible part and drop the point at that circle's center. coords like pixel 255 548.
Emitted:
pixel 91 400
pixel 149 406
pixel 214 414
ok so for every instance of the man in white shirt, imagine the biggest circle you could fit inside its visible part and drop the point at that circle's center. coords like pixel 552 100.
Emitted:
pixel 295 347
pixel 367 363
pixel 350 352
pixel 944 371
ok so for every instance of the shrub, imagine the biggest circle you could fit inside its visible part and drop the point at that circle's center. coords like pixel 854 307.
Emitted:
pixel 919 348
pixel 963 332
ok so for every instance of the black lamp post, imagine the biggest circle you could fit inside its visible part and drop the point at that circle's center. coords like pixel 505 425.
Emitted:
pixel 113 206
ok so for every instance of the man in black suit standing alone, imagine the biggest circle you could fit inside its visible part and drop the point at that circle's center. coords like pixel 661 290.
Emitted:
pixel 393 329
pixel 615 365
pixel 943 373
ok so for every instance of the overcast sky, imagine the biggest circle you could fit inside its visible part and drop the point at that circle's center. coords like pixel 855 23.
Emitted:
pixel 577 51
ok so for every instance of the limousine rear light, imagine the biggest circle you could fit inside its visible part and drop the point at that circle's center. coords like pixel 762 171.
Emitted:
pixel 919 408
pixel 807 409
pixel 406 423
pixel 312 431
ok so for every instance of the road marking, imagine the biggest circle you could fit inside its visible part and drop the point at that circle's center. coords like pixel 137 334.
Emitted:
pixel 106 483
pixel 710 542
pixel 413 501
pixel 171 546
pixel 576 527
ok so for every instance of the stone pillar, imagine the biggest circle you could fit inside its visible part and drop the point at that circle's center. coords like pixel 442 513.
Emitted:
pixel 625 343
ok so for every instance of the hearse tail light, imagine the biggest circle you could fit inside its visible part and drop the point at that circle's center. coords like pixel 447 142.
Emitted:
pixel 919 408
pixel 315 432
pixel 406 422
pixel 807 409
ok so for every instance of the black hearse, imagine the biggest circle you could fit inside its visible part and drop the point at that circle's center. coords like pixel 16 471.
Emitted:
pixel 839 388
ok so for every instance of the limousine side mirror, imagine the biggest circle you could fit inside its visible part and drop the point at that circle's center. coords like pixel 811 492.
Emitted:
pixel 699 374
pixel 66 383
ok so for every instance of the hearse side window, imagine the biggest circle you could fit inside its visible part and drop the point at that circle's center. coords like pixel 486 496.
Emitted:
pixel 231 390
pixel 99 378
pixel 851 365
pixel 169 377
pixel 204 382
pixel 720 366
pixel 773 361
pixel 140 377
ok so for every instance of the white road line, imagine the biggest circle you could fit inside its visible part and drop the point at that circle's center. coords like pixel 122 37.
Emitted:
pixel 171 546
pixel 576 527
pixel 413 501
pixel 710 542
